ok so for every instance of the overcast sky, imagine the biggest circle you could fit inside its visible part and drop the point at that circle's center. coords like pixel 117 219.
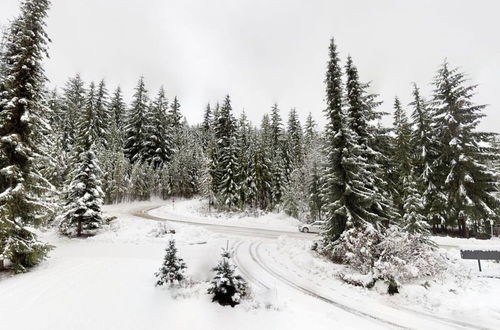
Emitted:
pixel 265 51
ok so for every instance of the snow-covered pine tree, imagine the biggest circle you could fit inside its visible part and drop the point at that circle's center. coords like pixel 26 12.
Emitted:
pixel 136 127
pixel 422 142
pixel 158 147
pixel 413 207
pixel 104 116
pixel 262 167
pixel 401 155
pixel 172 271
pixel 206 126
pixel 227 157
pixel 117 107
pixel 244 177
pixel 295 139
pixel 73 102
pixel 349 198
pixel 23 116
pixel 360 112
pixel 276 128
pixel 174 114
pixel 310 132
pixel 227 287
pixel 467 186
pixel 82 211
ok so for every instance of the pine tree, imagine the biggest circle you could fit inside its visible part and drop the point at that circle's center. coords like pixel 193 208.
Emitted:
pixel 422 142
pixel 226 166
pixel 349 198
pixel 466 186
pixel 175 114
pixel 173 268
pixel 402 154
pixel 104 116
pixel 295 138
pixel 117 108
pixel 73 102
pixel 136 128
pixel 310 132
pixel 158 147
pixel 227 288
pixel 83 215
pixel 244 151
pixel 413 207
pixel 23 116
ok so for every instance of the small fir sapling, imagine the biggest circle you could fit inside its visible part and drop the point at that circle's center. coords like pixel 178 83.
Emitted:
pixel 173 267
pixel 226 287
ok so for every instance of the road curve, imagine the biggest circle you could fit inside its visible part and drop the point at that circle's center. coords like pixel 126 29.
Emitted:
pixel 254 252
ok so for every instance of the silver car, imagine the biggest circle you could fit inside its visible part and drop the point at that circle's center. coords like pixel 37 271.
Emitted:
pixel 314 227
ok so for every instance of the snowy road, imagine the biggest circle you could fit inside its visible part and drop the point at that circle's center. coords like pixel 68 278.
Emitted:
pixel 271 275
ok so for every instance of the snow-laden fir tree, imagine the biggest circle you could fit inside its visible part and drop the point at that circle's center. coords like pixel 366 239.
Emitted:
pixel 402 153
pixel 73 102
pixel 360 112
pixel 310 132
pixel 117 107
pixel 227 287
pixel 295 139
pixel 262 172
pixel 84 198
pixel 226 166
pixel 23 126
pixel 158 148
pixel 172 271
pixel 136 127
pixel 413 206
pixel 350 200
pixel 104 115
pixel 467 187
pixel 174 114
pixel 244 146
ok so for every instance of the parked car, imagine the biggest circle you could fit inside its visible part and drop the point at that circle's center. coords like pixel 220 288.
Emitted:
pixel 314 227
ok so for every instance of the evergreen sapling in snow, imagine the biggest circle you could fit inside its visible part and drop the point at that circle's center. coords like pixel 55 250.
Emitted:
pixel 173 268
pixel 227 288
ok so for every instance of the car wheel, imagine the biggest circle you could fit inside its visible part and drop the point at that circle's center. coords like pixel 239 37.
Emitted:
pixel 305 230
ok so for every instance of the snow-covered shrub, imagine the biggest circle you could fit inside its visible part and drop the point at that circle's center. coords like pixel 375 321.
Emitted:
pixel 391 254
pixel 226 287
pixel 172 270
pixel 357 247
pixel 161 230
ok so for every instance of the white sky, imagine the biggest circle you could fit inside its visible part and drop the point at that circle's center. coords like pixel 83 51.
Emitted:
pixel 266 51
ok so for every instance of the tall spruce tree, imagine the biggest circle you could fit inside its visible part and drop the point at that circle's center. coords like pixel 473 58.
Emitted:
pixel 175 115
pixel 227 157
pixel 23 115
pixel 158 148
pixel 295 138
pixel 73 101
pixel 466 185
pixel 83 215
pixel 136 128
pixel 401 155
pixel 104 116
pixel 348 196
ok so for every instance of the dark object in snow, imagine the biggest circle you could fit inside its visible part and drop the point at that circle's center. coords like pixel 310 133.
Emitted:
pixel 393 287
pixel 480 255
pixel 227 288
pixel 172 270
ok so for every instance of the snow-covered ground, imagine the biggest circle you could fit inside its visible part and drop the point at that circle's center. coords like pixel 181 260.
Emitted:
pixel 107 282
pixel 196 210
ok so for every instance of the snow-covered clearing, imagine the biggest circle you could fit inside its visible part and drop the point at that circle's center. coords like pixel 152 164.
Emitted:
pixel 107 282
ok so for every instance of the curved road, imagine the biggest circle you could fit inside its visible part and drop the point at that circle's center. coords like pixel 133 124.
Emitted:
pixel 263 274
